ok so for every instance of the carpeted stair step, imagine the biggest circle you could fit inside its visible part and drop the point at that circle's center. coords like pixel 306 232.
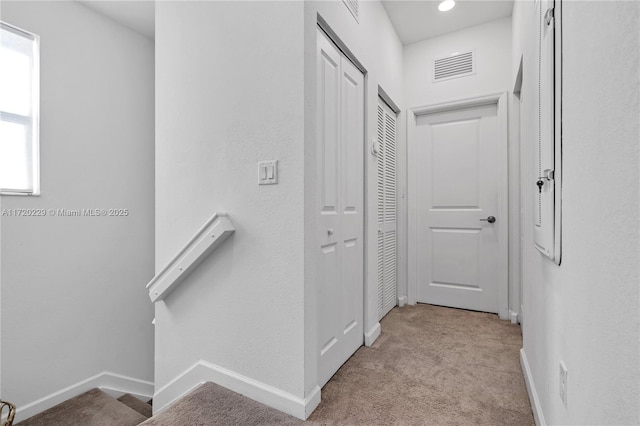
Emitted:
pixel 210 404
pixel 134 403
pixel 92 408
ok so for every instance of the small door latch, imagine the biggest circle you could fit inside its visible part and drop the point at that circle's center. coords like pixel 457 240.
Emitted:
pixel 548 175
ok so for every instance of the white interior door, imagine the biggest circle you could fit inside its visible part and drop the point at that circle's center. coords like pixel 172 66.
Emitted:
pixel 340 208
pixel 461 172
pixel 387 210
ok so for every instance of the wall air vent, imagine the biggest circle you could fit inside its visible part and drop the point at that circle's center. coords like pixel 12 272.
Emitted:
pixel 454 66
pixel 353 6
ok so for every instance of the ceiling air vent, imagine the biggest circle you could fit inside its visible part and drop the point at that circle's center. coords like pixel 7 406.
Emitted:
pixel 353 7
pixel 454 66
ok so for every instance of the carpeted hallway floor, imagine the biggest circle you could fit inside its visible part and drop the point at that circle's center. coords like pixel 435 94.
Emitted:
pixel 432 366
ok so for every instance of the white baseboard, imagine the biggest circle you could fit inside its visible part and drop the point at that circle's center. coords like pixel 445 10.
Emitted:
pixel 513 316
pixel 402 300
pixel 371 335
pixel 115 385
pixel 538 416
pixel 204 371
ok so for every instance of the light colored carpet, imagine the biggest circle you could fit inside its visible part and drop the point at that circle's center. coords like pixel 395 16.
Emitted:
pixel 93 408
pixel 432 366
pixel 210 405
pixel 134 403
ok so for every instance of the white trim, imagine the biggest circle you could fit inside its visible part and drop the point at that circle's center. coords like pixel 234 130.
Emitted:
pixel 475 101
pixel 538 415
pixel 500 99
pixel 557 233
pixel 203 371
pixel 372 335
pixel 402 300
pixel 117 385
pixel 14 193
pixel 111 383
pixel 335 39
pixel 387 100
pixel 513 316
pixel 503 208
pixel 412 207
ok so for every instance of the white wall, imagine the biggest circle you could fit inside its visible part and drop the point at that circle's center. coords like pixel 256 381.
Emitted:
pixel 236 85
pixel 73 297
pixel 586 312
pixel 375 44
pixel 229 93
pixel 492 45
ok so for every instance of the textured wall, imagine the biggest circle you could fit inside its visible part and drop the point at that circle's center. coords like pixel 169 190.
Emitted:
pixel 232 79
pixel 586 311
pixel 73 296
pixel 229 93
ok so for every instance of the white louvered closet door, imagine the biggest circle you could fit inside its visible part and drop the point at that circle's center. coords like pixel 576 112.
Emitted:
pixel 387 246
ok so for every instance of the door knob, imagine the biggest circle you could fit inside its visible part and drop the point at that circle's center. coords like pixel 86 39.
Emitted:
pixel 490 219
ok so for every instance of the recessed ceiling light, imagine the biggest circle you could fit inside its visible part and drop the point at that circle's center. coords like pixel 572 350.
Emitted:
pixel 446 5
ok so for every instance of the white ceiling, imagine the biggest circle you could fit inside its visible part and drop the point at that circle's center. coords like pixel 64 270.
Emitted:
pixel 419 20
pixel 413 20
pixel 138 15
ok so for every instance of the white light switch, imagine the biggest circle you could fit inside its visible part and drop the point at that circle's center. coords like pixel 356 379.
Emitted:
pixel 268 172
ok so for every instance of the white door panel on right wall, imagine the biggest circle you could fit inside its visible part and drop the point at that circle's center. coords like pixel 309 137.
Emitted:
pixel 547 168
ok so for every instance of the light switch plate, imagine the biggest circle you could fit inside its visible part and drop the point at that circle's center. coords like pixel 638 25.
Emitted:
pixel 268 172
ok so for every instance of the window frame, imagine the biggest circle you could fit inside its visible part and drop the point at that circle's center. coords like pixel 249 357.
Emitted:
pixel 31 122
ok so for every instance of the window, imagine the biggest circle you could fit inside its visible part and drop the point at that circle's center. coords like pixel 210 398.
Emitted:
pixel 19 96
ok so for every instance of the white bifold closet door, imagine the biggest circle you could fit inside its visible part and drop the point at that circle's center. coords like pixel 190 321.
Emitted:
pixel 387 228
pixel 340 203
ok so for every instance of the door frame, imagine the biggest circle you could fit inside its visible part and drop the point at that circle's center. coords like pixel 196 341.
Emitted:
pixel 500 100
